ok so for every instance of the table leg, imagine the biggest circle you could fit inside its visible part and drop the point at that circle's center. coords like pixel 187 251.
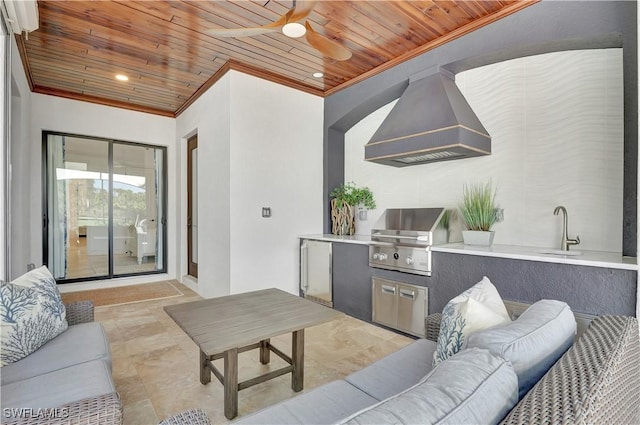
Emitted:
pixel 265 353
pixel 231 383
pixel 297 360
pixel 205 373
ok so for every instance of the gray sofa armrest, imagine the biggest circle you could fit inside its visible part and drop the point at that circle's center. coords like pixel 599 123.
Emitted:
pixel 596 381
pixel 102 410
pixel 79 312
pixel 432 326
pixel 189 417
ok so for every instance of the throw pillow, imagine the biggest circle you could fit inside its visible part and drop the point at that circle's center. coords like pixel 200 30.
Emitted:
pixel 479 307
pixel 31 313
pixel 533 342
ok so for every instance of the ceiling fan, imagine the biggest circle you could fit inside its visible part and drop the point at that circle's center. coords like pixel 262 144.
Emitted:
pixel 290 25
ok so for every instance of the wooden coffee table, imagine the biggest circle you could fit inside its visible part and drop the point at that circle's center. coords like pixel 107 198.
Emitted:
pixel 223 327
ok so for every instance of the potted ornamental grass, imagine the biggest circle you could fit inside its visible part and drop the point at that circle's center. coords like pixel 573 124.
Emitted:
pixel 344 200
pixel 479 212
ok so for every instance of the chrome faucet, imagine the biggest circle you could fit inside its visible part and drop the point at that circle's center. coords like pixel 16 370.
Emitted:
pixel 566 242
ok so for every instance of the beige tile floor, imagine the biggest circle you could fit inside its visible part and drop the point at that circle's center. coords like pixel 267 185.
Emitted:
pixel 156 372
pixel 80 264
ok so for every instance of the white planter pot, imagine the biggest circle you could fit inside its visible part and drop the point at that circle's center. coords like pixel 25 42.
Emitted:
pixel 477 237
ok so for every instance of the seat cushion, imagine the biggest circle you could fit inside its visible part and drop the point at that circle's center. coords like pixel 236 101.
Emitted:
pixel 395 372
pixel 53 389
pixel 533 342
pixel 323 405
pixel 472 387
pixel 78 344
pixel 479 307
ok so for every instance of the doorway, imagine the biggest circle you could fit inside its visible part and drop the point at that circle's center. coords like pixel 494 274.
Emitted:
pixel 192 206
pixel 104 207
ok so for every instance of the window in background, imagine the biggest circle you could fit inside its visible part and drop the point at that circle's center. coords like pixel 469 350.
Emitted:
pixel 105 208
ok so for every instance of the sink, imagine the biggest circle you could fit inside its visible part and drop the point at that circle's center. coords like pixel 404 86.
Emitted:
pixel 560 252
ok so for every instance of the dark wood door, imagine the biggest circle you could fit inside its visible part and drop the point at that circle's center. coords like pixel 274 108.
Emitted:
pixel 192 206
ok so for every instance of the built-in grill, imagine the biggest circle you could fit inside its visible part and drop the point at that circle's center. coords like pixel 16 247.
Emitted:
pixel 402 238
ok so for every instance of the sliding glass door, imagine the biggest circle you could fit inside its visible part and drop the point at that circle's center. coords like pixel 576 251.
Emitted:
pixel 104 207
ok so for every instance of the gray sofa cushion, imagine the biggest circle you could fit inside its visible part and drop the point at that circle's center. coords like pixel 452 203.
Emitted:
pixel 53 389
pixel 323 405
pixel 78 344
pixel 472 387
pixel 395 372
pixel 533 342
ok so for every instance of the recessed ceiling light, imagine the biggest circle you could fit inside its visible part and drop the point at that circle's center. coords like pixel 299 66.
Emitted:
pixel 294 30
pixel 318 74
pixel 122 77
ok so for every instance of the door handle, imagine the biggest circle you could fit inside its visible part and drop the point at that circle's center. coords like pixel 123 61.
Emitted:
pixel 304 284
pixel 189 222
pixel 391 290
pixel 408 294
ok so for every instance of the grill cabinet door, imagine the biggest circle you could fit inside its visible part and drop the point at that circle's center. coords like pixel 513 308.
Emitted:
pixel 385 302
pixel 412 309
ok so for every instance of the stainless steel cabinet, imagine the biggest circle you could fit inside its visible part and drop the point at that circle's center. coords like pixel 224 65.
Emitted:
pixel 385 302
pixel 399 306
pixel 316 271
pixel 412 309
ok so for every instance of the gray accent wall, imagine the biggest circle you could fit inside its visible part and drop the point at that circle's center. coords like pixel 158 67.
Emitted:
pixel 544 27
pixel 591 290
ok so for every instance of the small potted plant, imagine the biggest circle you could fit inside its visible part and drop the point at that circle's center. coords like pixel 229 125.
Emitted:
pixel 479 213
pixel 345 199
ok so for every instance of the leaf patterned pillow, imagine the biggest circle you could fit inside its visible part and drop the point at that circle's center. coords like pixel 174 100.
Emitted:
pixel 31 313
pixel 479 307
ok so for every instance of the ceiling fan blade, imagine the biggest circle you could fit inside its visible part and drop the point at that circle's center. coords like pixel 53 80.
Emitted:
pixel 249 32
pixel 326 46
pixel 302 9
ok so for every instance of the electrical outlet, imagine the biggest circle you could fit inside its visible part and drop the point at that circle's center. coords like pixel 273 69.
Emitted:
pixel 266 212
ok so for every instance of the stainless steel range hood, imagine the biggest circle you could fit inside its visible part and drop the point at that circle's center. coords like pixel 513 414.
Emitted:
pixel 431 121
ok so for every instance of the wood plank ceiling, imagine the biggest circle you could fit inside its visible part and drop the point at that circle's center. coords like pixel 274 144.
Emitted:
pixel 163 47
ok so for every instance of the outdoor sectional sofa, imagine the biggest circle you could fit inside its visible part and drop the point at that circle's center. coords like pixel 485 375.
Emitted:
pixel 596 380
pixel 67 380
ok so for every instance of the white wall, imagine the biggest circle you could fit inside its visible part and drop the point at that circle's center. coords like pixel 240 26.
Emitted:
pixel 276 162
pixel 23 152
pixel 71 116
pixel 209 117
pixel 556 123
pixel 259 144
pixel 5 80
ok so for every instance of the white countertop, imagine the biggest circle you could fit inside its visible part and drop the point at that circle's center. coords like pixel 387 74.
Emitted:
pixel 588 258
pixel 515 252
pixel 357 239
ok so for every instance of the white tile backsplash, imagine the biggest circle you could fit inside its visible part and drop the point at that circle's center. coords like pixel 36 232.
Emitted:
pixel 556 122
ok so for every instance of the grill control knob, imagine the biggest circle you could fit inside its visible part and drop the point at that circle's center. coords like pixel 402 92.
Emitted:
pixel 396 255
pixel 383 257
pixel 376 256
pixel 409 261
